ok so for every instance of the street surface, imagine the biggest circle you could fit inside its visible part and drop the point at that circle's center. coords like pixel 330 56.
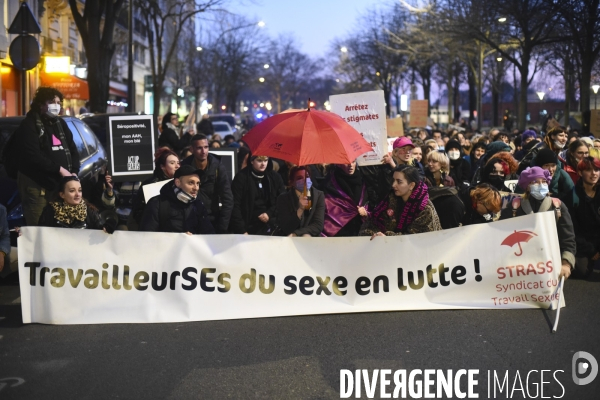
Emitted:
pixel 293 357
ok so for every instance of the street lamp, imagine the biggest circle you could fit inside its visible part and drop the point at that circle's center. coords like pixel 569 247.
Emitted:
pixel 499 58
pixel 502 19
pixel 541 96
pixel 344 49
pixel 261 24
pixel 595 89
pixel 261 79
pixel 198 48
pixel 266 66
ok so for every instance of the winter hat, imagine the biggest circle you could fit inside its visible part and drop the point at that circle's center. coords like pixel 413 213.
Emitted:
pixel 185 170
pixel 402 141
pixel 531 174
pixel 545 156
pixel 528 134
pixel 452 144
pixel 588 142
pixel 496 147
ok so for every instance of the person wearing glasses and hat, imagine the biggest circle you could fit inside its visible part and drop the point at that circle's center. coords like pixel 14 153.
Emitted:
pixel 177 208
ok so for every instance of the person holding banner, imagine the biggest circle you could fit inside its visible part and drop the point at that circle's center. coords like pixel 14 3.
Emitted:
pixel 584 206
pixel 166 162
pixel 177 208
pixel 301 210
pixel 408 209
pixel 70 210
pixel 535 181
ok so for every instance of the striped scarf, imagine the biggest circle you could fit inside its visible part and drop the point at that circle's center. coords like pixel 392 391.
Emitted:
pixel 416 203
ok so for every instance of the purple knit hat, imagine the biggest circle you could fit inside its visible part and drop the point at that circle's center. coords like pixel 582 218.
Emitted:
pixel 531 174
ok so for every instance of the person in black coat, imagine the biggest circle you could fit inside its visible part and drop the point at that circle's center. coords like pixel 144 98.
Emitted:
pixel 460 170
pixel 215 184
pixel 178 208
pixel 482 204
pixel 166 163
pixel 169 137
pixel 584 206
pixel 46 152
pixel 70 210
pixel 301 212
pixel 447 203
pixel 255 190
pixel 205 126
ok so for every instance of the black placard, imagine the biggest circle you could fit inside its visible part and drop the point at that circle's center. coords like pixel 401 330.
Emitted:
pixel 132 146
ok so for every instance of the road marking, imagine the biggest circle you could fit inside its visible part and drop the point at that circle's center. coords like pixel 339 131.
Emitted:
pixel 3 382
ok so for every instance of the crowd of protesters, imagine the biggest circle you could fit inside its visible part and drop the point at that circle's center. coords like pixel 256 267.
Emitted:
pixel 431 180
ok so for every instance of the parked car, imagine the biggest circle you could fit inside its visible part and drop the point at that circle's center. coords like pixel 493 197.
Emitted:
pixel 224 129
pixel 231 119
pixel 91 155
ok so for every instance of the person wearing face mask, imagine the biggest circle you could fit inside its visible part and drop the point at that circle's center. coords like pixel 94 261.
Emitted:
pixel 495 173
pixel 460 170
pixel 482 204
pixel 166 162
pixel 301 209
pixel 255 191
pixel 177 208
pixel 535 183
pixel 584 206
pixel 555 140
pixel 46 153
pixel 346 200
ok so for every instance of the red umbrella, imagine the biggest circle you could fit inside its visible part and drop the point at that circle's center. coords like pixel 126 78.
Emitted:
pixel 307 137
pixel 518 237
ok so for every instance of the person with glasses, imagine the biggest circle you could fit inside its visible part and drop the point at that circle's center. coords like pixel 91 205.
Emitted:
pixel 482 204
pixel 576 152
pixel 70 210
pixel 535 181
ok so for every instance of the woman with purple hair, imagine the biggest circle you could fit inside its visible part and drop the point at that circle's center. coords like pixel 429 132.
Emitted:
pixel 407 210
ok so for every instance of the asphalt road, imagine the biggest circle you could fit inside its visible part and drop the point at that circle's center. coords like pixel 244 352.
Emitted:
pixel 295 357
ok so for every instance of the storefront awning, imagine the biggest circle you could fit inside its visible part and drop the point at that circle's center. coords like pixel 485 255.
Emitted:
pixel 117 89
pixel 70 86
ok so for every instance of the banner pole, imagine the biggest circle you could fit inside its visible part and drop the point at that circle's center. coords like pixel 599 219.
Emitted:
pixel 555 327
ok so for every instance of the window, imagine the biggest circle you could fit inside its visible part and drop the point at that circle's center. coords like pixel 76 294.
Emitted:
pixel 139 54
pixel 88 136
pixel 79 143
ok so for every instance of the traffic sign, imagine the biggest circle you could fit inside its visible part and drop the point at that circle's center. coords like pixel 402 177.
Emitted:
pixel 24 52
pixel 24 22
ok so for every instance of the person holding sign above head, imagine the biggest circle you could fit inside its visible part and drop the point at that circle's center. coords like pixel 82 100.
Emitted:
pixel 301 210
pixel 177 208
pixel 70 210
pixel 535 181
pixel 215 188
pixel 408 209
pixel 402 155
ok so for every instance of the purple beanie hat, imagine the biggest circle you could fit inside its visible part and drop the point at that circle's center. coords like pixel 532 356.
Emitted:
pixel 528 134
pixel 531 174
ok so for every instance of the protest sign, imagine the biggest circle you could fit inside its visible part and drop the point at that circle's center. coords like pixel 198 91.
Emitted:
pixel 132 146
pixel 395 127
pixel 419 113
pixel 70 276
pixel 365 112
pixel 153 189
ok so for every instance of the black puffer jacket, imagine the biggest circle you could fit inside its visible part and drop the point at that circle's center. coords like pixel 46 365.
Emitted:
pixel 139 201
pixel 215 189
pixel 179 217
pixel 244 189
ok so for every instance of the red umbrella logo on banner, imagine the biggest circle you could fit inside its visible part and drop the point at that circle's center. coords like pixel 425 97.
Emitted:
pixel 518 237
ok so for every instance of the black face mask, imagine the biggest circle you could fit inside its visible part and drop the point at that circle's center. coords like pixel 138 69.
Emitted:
pixel 496 181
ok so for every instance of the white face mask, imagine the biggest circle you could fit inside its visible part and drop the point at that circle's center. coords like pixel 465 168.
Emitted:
pixel 559 144
pixel 54 109
pixel 453 154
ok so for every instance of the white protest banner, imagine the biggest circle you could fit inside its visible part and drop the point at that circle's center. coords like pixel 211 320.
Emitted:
pixel 71 276
pixel 365 111
pixel 153 189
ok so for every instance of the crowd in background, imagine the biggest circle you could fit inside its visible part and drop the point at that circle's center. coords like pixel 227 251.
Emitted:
pixel 431 180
